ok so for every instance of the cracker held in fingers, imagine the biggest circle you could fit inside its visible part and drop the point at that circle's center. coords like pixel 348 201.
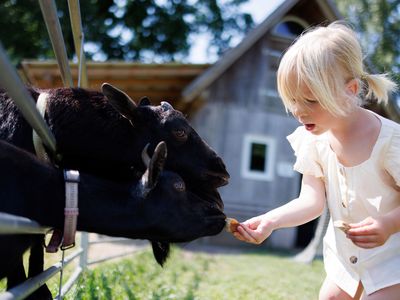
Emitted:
pixel 231 225
pixel 341 225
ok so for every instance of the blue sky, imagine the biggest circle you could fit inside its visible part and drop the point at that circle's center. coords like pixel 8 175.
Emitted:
pixel 259 9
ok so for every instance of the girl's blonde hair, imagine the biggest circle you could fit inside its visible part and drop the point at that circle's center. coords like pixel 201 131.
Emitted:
pixel 321 61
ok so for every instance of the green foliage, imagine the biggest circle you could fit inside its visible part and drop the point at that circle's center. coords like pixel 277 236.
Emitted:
pixel 129 30
pixel 378 24
pixel 201 276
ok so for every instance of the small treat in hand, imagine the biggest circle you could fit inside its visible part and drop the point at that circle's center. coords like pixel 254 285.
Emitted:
pixel 231 225
pixel 341 225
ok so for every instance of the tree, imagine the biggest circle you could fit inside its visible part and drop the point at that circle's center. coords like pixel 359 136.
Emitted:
pixel 378 24
pixel 141 30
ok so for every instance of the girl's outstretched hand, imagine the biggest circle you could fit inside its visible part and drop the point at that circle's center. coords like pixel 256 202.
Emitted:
pixel 370 233
pixel 254 230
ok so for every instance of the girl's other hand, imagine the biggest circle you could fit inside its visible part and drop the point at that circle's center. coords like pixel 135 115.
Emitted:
pixel 370 233
pixel 254 230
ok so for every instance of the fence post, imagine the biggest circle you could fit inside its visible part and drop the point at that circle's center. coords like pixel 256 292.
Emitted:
pixel 85 248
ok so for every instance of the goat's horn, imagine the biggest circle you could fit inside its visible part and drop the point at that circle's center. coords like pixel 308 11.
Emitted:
pixel 166 106
pixel 145 156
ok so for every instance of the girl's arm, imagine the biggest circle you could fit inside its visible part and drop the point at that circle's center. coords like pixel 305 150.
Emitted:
pixel 374 232
pixel 307 207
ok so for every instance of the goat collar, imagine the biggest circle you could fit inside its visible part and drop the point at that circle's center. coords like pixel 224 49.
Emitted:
pixel 66 239
pixel 71 209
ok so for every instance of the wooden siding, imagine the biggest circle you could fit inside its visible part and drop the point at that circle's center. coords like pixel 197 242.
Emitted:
pixel 224 126
pixel 159 82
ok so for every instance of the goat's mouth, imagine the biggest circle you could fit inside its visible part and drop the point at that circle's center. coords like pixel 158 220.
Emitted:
pixel 216 179
pixel 215 223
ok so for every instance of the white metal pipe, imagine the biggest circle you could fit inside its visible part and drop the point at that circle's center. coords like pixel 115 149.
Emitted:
pixel 10 80
pixel 71 280
pixel 11 224
pixel 28 287
pixel 110 240
pixel 85 247
pixel 76 25
pixel 96 261
pixel 49 12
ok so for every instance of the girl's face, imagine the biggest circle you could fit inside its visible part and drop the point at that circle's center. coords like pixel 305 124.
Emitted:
pixel 311 114
pixel 315 118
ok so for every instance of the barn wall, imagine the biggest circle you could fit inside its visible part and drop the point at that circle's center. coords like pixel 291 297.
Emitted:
pixel 224 126
pixel 245 101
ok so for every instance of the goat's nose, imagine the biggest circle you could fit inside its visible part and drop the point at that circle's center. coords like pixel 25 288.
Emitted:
pixel 219 164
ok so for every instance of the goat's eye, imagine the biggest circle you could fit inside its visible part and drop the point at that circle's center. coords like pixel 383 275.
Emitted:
pixel 179 186
pixel 180 135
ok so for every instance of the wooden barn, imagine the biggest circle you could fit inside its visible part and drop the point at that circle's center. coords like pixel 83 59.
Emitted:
pixel 235 107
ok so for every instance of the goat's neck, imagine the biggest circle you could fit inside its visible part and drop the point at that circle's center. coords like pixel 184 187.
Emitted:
pixel 104 206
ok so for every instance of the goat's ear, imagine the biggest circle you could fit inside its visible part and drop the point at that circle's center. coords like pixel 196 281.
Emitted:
pixel 144 101
pixel 119 100
pixel 157 164
pixel 160 251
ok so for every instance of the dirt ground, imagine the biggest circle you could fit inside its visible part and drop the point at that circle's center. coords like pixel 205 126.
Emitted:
pixel 108 248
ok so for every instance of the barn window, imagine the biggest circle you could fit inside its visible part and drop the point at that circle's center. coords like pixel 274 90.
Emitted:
pixel 290 27
pixel 258 157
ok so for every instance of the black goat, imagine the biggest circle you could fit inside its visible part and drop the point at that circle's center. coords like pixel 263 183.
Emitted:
pixel 155 207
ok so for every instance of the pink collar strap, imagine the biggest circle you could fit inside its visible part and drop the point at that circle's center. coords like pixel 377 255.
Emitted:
pixel 66 240
pixel 71 209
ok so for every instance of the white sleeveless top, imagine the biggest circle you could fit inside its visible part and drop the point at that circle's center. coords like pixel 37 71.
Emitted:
pixel 371 188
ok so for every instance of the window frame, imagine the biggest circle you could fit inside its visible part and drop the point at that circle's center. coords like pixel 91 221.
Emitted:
pixel 269 168
pixel 293 19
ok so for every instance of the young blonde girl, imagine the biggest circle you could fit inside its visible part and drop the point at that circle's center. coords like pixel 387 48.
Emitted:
pixel 350 161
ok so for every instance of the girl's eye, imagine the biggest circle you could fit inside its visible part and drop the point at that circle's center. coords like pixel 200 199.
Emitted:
pixel 310 101
pixel 180 135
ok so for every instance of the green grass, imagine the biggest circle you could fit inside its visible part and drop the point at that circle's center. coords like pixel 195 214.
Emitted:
pixel 194 276
pixel 198 276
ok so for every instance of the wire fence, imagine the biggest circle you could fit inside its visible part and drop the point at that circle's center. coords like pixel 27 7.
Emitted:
pixel 11 224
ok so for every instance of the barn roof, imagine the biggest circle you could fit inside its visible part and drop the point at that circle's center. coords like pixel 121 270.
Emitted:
pixel 159 82
pixel 195 88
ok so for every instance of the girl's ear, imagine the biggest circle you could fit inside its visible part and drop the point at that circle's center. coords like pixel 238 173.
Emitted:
pixel 352 86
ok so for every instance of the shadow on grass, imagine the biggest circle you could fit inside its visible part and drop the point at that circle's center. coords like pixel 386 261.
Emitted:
pixel 106 286
pixel 129 292
pixel 247 250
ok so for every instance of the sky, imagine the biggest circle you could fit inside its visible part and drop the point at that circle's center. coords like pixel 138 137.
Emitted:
pixel 259 9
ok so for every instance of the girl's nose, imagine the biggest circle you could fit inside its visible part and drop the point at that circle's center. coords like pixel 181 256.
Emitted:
pixel 299 110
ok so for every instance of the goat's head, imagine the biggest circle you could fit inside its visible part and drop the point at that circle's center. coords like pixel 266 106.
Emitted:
pixel 188 155
pixel 176 214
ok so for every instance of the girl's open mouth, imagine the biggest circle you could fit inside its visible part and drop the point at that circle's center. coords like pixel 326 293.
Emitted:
pixel 309 127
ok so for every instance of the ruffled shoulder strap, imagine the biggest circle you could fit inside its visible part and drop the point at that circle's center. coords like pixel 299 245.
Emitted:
pixel 392 157
pixel 304 145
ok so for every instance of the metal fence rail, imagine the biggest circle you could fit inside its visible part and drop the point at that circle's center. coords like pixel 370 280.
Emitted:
pixel 10 80
pixel 11 224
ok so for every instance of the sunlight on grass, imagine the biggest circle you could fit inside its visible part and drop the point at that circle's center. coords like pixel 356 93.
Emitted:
pixel 199 276
pixel 196 276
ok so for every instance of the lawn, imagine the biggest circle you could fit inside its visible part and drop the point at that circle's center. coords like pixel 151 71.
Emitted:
pixel 187 275
pixel 202 276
